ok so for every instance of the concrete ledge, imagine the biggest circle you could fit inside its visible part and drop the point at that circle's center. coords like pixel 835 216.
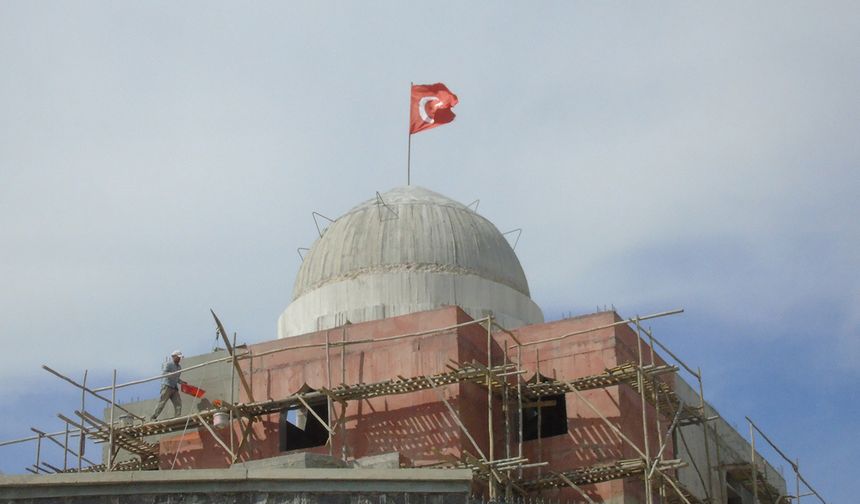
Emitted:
pixel 212 481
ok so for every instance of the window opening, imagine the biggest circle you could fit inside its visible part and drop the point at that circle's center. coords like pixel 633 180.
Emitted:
pixel 300 429
pixel 553 416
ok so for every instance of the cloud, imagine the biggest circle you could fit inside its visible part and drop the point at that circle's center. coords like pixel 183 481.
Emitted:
pixel 157 161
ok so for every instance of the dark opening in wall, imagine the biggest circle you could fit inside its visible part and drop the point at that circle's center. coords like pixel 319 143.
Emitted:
pixel 553 416
pixel 733 496
pixel 300 429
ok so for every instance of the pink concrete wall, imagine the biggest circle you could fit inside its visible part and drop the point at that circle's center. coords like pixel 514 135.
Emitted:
pixel 418 425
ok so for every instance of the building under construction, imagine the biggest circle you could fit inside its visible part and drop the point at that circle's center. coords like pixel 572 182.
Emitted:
pixel 412 363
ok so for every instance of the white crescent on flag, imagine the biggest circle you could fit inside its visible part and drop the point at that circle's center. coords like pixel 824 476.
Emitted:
pixel 430 106
pixel 422 110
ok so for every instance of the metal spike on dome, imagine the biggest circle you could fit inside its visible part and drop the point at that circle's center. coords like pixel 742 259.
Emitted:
pixel 380 201
pixel 317 222
pixel 519 232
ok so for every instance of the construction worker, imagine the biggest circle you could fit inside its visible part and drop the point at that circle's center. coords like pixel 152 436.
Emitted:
pixel 170 385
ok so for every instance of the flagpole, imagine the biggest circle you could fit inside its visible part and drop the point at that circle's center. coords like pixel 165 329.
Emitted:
pixel 409 143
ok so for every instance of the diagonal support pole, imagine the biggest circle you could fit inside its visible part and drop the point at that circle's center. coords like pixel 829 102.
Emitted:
pixel 314 413
pixel 214 435
pixel 239 372
pixel 575 487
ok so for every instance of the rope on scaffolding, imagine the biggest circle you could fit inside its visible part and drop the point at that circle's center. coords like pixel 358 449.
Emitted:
pixel 181 439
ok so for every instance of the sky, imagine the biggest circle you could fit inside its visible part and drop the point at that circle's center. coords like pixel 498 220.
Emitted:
pixel 158 159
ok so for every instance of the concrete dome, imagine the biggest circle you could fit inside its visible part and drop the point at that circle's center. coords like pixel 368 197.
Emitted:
pixel 410 250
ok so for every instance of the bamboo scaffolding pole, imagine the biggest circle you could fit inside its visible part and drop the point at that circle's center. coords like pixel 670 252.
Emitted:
pixel 479 321
pixel 328 403
pixel 232 392
pixel 459 422
pixel 659 458
pixel 671 354
pixel 606 326
pixel 709 466
pixel 665 443
pixel 226 340
pixel 372 340
pixel 680 432
pixel 164 375
pixel 506 410
pixel 649 497
pixel 609 424
pixel 674 486
pixel 66 448
pixel 87 390
pixel 83 439
pixel 575 487
pixel 720 473
pixel 315 415
pixel 796 479
pixel 112 408
pixel 81 427
pixel 509 333
pixel 491 443
pixel 785 457
pixel 520 407
pixel 249 419
pixel 343 445
pixel 489 381
pixel 38 452
pixel 215 435
pixel 698 375
pixel 33 438
pixel 753 468
pixel 247 355
pixel 539 416
pixel 52 468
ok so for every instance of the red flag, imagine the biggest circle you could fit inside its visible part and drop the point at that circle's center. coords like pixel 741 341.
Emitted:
pixel 431 106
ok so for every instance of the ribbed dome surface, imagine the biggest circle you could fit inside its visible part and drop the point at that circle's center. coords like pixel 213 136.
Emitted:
pixel 407 251
pixel 410 229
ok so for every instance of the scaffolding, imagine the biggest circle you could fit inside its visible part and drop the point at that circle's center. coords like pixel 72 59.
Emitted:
pixel 503 381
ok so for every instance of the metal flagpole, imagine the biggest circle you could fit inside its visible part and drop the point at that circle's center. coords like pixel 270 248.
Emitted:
pixel 409 143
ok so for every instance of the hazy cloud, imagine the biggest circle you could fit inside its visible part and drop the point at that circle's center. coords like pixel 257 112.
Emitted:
pixel 157 160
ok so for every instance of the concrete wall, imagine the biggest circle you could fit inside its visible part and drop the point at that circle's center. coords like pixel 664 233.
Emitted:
pixel 418 425
pixel 215 379
pixel 241 486
pixel 387 294
pixel 589 440
pixel 726 446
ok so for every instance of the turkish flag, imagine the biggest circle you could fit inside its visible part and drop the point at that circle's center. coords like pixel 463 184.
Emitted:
pixel 431 106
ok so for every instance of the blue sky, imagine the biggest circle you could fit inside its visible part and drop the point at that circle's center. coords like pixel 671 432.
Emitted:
pixel 158 159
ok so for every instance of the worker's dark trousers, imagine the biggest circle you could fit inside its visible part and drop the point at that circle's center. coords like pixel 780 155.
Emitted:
pixel 172 394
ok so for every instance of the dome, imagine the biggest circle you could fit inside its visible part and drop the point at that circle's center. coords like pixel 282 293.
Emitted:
pixel 408 250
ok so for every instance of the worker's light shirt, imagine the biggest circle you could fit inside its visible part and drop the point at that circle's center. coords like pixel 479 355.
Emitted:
pixel 170 381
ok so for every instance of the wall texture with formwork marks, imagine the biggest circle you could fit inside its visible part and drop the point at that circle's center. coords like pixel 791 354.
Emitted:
pixel 257 486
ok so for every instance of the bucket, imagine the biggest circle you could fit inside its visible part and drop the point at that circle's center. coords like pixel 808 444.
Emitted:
pixel 192 390
pixel 220 420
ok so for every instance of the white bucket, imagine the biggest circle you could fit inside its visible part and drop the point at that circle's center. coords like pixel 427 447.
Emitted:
pixel 220 420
